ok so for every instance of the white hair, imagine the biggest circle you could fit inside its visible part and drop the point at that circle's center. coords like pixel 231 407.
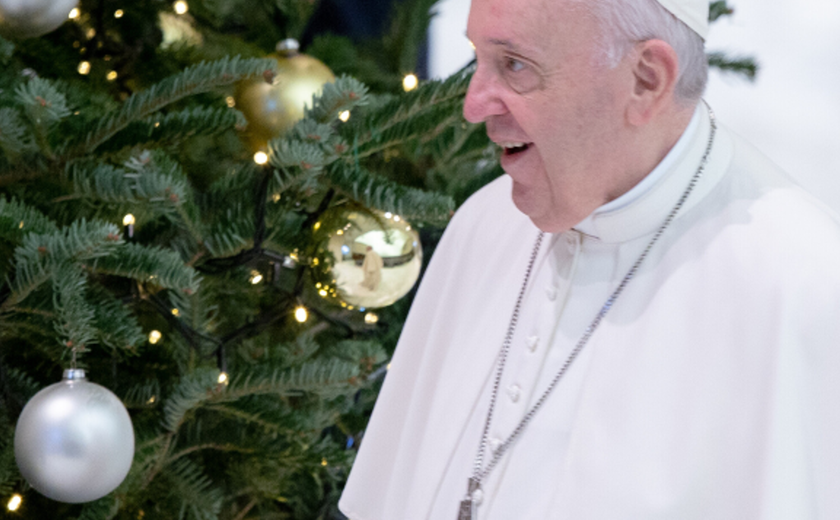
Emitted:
pixel 624 22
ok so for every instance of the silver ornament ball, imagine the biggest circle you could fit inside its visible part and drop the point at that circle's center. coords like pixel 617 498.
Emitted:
pixel 375 261
pixel 30 18
pixel 74 441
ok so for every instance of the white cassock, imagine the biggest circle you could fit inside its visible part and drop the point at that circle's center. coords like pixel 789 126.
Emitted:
pixel 711 391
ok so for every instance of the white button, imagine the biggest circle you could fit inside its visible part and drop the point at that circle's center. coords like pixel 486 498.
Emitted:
pixel 514 392
pixel 532 342
pixel 477 496
pixel 495 443
pixel 551 293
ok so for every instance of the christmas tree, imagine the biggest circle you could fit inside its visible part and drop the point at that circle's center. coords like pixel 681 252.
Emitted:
pixel 211 263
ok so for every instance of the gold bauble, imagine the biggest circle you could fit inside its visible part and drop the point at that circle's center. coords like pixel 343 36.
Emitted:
pixel 21 19
pixel 273 108
pixel 367 262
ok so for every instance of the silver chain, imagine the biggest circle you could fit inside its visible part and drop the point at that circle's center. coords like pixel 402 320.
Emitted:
pixel 480 474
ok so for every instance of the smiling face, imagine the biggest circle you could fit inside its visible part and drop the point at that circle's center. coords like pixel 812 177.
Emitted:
pixel 557 113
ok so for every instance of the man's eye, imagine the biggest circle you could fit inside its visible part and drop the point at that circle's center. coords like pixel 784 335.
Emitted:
pixel 514 65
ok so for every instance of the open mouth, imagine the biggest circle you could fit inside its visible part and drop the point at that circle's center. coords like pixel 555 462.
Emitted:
pixel 514 148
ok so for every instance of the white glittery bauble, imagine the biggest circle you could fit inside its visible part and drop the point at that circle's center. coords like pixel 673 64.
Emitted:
pixel 74 441
pixel 375 261
pixel 29 18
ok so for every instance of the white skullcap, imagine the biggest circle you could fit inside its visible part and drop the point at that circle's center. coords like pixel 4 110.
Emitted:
pixel 693 13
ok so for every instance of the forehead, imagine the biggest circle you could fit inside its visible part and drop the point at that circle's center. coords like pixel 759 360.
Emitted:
pixel 533 26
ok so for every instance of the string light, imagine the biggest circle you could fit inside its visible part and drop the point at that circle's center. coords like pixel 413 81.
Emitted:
pixel 223 378
pixel 181 7
pixel 176 312
pixel 301 314
pixel 21 225
pixel 371 318
pixel 410 82
pixel 324 462
pixel 112 75
pixel 256 277
pixel 155 336
pixel 14 502
pixel 84 68
pixel 231 102
pixel 74 13
pixel 90 33
pixel 128 220
pixel 119 13
pixel 260 158
pixel 344 116
pixel 151 400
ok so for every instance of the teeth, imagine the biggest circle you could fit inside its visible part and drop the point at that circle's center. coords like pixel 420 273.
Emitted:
pixel 511 145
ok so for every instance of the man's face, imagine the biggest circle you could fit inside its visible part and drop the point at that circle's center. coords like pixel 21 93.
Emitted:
pixel 539 85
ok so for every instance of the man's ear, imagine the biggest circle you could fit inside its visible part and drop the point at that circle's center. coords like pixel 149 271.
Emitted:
pixel 655 70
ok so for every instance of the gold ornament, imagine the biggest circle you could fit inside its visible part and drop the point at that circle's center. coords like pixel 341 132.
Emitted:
pixel 273 108
pixel 31 18
pixel 366 262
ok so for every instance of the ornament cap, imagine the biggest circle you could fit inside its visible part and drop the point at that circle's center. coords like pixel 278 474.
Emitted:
pixel 288 47
pixel 74 374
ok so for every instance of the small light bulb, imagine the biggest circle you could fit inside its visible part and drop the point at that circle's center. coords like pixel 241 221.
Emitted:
pixel 344 115
pixel 155 336
pixel 371 318
pixel 223 378
pixel 396 218
pixel 151 400
pixel 90 33
pixel 260 158
pixel 157 124
pixel 410 82
pixel 301 314
pixel 256 277
pixel 275 197
pixel 317 226
pixel 324 462
pixel 323 293
pixel 14 502
pixel 74 13
pixel 119 13
pixel 112 75
pixel 181 7
pixel 128 220
pixel 21 225
pixel 176 312
pixel 84 68
pixel 230 101
pixel 388 214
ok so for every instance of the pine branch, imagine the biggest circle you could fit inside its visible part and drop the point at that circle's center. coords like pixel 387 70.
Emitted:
pixel 162 267
pixel 174 127
pixel 385 195
pixel 745 67
pixel 18 219
pixel 345 93
pixel 189 485
pixel 105 508
pixel 43 104
pixel 718 9
pixel 39 255
pixel 196 79
pixel 15 138
pixel 192 391
pixel 74 316
pixel 115 326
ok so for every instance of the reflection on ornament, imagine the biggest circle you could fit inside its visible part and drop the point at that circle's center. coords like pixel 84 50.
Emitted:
pixel 273 108
pixel 374 261
pixel 74 13
pixel 30 18
pixel 74 441
pixel 371 318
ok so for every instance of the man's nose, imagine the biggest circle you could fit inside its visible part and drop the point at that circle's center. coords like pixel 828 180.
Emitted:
pixel 483 99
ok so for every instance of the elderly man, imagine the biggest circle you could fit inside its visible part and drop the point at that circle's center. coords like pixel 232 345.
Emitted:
pixel 649 329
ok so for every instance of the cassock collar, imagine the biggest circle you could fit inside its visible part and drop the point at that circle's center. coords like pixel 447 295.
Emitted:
pixel 642 210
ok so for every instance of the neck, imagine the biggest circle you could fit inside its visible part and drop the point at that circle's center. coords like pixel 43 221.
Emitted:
pixel 646 147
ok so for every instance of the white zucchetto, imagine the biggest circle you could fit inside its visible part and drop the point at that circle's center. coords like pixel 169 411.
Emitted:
pixel 693 13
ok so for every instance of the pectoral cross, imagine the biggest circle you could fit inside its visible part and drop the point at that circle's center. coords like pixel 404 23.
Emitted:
pixel 467 511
